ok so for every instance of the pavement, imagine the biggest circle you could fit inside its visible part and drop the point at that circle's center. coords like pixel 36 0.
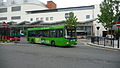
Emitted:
pixel 88 43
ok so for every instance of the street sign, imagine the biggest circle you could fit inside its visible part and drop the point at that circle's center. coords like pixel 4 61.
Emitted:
pixel 118 24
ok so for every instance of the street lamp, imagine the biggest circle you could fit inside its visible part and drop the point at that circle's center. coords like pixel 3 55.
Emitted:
pixel 98 30
pixel 118 1
pixel 98 34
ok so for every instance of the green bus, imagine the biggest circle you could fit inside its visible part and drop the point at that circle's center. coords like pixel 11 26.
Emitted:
pixel 55 35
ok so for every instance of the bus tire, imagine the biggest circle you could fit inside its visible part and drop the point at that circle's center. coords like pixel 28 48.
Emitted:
pixel 27 39
pixel 53 43
pixel 32 41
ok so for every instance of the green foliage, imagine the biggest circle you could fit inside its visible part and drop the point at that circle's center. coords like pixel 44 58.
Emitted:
pixel 71 20
pixel 109 13
pixel 117 31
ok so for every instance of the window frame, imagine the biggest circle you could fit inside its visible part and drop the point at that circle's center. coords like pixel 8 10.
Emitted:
pixel 16 8
pixel 87 16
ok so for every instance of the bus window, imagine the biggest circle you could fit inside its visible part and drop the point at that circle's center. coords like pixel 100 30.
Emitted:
pixel 31 33
pixel 46 33
pixel 71 33
pixel 54 33
pixel 59 33
pixel 39 32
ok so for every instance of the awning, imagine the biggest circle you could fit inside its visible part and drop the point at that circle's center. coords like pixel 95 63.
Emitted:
pixel 23 23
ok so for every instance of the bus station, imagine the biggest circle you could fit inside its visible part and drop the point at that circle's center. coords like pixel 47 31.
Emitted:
pixel 40 34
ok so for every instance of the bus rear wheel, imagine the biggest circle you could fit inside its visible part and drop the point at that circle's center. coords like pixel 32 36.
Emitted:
pixel 53 43
pixel 32 41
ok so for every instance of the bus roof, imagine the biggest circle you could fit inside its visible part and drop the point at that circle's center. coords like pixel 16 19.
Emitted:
pixel 44 28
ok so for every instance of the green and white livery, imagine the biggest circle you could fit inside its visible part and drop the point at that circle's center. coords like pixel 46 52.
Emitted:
pixel 55 35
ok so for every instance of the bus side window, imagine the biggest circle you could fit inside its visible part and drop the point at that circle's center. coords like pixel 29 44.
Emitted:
pixel 57 33
pixel 47 33
pixel 33 33
pixel 60 33
pixel 39 33
pixel 43 33
pixel 54 33
pixel 50 33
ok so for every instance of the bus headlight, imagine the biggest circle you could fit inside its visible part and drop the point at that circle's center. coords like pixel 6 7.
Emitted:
pixel 66 43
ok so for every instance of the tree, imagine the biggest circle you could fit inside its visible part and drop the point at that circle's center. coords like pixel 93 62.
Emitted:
pixel 71 19
pixel 108 15
pixel 116 6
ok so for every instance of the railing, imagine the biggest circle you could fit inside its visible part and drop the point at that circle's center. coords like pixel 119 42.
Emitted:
pixel 104 41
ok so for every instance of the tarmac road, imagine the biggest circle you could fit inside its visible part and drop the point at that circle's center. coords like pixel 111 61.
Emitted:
pixel 42 56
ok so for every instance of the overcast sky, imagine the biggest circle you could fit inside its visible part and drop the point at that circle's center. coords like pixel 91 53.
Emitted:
pixel 73 3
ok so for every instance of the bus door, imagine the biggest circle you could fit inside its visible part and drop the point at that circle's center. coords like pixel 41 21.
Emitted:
pixel 70 32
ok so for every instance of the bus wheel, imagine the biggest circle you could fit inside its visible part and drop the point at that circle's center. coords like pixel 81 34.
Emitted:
pixel 32 41
pixel 27 39
pixel 53 43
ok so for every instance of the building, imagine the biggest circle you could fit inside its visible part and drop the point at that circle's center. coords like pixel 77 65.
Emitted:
pixel 33 10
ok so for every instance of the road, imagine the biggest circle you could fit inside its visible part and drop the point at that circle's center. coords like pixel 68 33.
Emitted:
pixel 42 56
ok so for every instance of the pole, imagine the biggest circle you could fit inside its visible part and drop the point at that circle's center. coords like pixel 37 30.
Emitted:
pixel 97 34
pixel 118 37
pixel 117 13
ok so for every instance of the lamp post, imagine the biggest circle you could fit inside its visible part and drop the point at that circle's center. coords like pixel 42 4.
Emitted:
pixel 118 1
pixel 98 30
pixel 98 34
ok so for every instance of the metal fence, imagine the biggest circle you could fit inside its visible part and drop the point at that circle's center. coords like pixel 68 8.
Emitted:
pixel 104 41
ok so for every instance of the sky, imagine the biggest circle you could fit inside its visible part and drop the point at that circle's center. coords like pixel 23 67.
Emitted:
pixel 73 3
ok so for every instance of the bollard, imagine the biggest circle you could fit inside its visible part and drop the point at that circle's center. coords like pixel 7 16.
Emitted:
pixel 113 42
pixel 98 40
pixel 118 43
pixel 104 41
